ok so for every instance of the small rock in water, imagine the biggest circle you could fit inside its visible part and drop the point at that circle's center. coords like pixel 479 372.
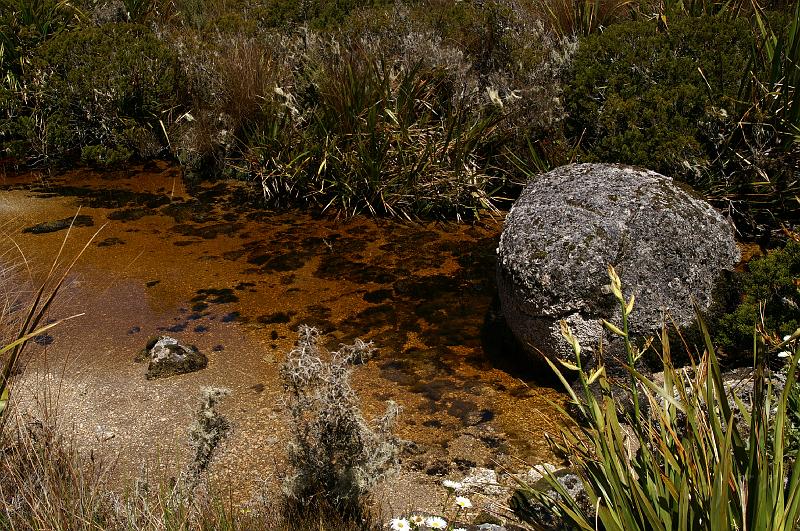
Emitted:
pixel 483 481
pixel 60 224
pixel 43 339
pixel 103 435
pixel 110 242
pixel 168 357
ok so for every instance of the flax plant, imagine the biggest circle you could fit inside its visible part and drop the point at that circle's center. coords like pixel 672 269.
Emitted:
pixel 779 56
pixel 402 141
pixel 696 467
pixel 667 9
pixel 569 18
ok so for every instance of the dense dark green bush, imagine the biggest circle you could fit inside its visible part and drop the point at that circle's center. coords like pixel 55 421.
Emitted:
pixel 643 97
pixel 105 157
pixel 23 25
pixel 112 86
pixel 773 281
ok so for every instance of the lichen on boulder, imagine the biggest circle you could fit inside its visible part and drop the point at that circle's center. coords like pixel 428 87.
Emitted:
pixel 668 246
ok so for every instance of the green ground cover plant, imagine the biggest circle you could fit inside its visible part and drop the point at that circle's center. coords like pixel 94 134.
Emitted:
pixel 770 294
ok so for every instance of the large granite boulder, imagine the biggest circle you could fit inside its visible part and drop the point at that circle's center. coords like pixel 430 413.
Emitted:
pixel 668 246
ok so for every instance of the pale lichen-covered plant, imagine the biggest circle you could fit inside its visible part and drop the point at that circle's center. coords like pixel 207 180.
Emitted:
pixel 206 433
pixel 336 456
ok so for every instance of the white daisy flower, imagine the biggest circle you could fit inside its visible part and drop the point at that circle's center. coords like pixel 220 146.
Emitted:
pixel 417 520
pixel 452 485
pixel 436 522
pixel 463 502
pixel 399 524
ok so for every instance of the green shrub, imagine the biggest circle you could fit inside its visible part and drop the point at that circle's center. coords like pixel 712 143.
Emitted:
pixel 24 24
pixel 249 16
pixel 771 281
pixel 641 97
pixel 110 86
pixel 319 14
pixel 105 156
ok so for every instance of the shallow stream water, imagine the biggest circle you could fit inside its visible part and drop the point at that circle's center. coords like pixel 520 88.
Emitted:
pixel 205 265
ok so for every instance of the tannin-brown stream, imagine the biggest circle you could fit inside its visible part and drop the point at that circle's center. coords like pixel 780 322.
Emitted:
pixel 206 266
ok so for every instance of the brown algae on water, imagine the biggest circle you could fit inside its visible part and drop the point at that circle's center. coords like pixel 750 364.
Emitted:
pixel 208 267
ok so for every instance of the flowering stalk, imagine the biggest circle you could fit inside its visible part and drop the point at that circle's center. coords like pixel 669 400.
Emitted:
pixel 627 308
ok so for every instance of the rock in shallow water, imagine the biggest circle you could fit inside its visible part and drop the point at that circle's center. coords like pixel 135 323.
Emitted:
pixel 568 225
pixel 168 357
pixel 60 224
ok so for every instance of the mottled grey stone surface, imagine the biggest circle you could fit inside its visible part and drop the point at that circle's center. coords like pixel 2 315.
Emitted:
pixel 169 357
pixel 668 246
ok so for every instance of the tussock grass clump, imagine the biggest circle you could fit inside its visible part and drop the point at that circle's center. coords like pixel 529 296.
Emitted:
pixel 46 483
pixel 399 141
pixel 699 458
pixel 336 457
